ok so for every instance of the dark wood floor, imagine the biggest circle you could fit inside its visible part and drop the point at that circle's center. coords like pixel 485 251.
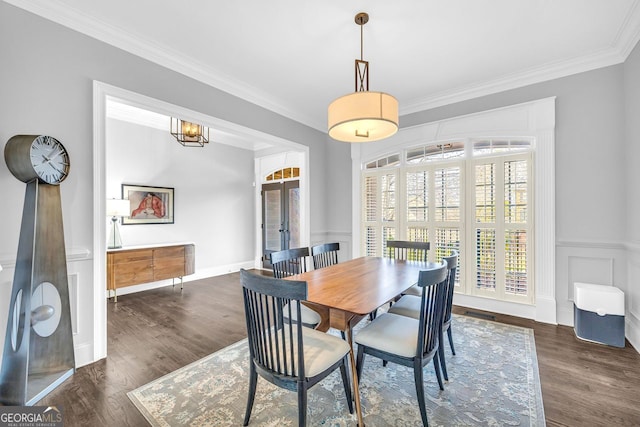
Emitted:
pixel 156 332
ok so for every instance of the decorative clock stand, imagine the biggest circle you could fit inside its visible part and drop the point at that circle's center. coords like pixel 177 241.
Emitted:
pixel 38 347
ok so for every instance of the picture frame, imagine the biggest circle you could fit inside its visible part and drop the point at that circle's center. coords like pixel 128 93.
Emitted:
pixel 148 205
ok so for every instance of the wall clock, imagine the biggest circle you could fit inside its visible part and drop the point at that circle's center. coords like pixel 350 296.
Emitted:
pixel 38 347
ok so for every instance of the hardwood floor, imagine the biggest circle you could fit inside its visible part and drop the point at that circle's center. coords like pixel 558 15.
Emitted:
pixel 156 332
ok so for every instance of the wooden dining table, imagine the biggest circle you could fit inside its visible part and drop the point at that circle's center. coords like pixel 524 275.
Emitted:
pixel 347 292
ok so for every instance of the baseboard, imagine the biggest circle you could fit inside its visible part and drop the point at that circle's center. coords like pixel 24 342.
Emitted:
pixel 84 354
pixel 632 331
pixel 495 306
pixel 565 316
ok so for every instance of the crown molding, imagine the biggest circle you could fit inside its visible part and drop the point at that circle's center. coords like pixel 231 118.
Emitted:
pixel 535 75
pixel 629 34
pixel 621 46
pixel 55 11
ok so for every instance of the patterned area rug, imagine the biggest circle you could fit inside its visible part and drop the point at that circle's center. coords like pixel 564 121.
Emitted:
pixel 493 381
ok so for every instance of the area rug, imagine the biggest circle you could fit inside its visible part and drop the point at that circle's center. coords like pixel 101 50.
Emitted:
pixel 493 381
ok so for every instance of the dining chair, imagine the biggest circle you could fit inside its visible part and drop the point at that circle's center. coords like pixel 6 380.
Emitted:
pixel 325 255
pixel 407 341
pixel 287 354
pixel 409 305
pixel 411 251
pixel 404 249
pixel 287 263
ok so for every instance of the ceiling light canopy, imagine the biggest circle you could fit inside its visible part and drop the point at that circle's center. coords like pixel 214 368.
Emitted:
pixel 364 115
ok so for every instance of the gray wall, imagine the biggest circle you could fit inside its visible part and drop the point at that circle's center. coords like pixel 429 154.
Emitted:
pixel 597 176
pixel 589 148
pixel 632 153
pixel 46 78
pixel 632 143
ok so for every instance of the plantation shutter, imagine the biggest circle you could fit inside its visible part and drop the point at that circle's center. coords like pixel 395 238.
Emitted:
pixel 476 200
pixel 502 225
pixel 380 210
pixel 417 196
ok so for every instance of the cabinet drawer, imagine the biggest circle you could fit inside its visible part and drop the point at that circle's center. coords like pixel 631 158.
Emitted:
pixel 159 254
pixel 133 273
pixel 168 268
pixel 131 256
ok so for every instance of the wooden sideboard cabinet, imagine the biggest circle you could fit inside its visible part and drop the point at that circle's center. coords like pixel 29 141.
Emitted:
pixel 144 264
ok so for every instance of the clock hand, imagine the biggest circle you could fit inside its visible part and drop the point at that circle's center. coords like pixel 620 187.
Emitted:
pixel 61 172
pixel 56 155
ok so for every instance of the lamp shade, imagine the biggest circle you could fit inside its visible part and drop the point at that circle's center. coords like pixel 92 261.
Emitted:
pixel 363 117
pixel 117 207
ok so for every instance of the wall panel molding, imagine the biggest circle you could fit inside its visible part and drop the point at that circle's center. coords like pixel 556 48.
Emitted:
pixel 605 262
pixel 73 255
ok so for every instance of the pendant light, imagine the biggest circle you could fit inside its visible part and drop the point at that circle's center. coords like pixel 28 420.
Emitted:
pixel 363 116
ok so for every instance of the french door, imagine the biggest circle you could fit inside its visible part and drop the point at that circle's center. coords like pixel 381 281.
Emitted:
pixel 280 218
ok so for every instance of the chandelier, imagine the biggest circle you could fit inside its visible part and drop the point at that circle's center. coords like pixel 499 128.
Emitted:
pixel 189 134
pixel 364 115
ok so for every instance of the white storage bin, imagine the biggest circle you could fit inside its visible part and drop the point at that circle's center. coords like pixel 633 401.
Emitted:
pixel 598 313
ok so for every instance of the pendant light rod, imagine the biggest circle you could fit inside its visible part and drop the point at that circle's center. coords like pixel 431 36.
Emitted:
pixel 362 66
pixel 361 19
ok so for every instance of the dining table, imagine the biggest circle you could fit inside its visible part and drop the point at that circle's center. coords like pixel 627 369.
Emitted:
pixel 345 293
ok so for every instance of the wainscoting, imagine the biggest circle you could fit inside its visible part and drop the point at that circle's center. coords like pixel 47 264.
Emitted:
pixel 79 272
pixel 606 263
pixel 342 237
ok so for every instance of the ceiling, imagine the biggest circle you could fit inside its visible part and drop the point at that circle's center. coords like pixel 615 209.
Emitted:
pixel 294 57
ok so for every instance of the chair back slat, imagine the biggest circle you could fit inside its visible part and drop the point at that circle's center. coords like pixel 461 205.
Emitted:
pixel 452 265
pixel 405 250
pixel 325 255
pixel 289 262
pixel 273 343
pixel 433 282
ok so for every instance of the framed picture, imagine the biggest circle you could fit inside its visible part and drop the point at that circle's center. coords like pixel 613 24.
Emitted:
pixel 148 205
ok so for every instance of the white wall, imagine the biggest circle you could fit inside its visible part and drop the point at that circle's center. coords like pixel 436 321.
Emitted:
pixel 213 194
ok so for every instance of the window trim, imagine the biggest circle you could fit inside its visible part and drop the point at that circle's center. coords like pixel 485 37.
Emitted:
pixel 534 119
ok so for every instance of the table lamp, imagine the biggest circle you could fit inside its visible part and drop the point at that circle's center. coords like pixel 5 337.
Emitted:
pixel 115 209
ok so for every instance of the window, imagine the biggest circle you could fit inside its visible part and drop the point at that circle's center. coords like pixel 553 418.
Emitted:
pixel 434 152
pixel 502 225
pixel 286 173
pixel 473 196
pixel 393 160
pixel 379 193
pixel 495 146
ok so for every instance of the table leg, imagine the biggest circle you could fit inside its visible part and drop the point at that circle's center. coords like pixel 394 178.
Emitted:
pixel 324 315
pixel 354 374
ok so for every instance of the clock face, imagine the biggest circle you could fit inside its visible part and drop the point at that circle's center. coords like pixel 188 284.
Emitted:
pixel 50 159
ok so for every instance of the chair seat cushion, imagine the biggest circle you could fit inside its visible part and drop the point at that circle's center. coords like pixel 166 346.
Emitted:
pixel 414 290
pixel 309 317
pixel 408 305
pixel 391 333
pixel 321 350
